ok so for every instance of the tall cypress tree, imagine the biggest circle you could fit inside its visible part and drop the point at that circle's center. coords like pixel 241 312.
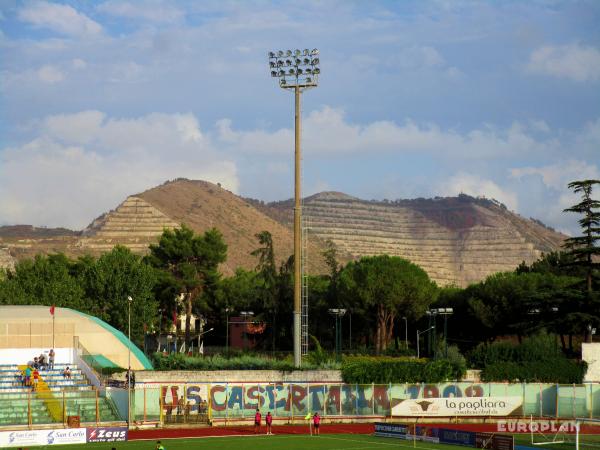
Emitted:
pixel 584 249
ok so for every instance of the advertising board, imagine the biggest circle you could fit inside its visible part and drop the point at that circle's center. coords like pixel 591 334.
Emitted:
pixel 107 434
pixel 42 437
pixel 494 441
pixel 395 430
pixel 457 437
pixel 465 406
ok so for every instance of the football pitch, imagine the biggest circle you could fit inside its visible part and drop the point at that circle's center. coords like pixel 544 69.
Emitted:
pixel 288 442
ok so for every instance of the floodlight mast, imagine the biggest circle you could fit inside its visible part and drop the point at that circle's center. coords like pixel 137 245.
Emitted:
pixel 298 70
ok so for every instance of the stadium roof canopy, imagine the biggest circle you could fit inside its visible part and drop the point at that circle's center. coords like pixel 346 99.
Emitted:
pixel 31 326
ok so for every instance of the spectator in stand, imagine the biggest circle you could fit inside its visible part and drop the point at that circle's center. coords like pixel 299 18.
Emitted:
pixel 269 422
pixel 36 364
pixel 51 359
pixel 42 361
pixel 19 377
pixel 67 373
pixel 257 418
pixel 36 378
pixel 28 372
pixel 316 423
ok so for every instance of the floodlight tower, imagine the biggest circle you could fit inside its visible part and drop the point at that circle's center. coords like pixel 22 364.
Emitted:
pixel 298 70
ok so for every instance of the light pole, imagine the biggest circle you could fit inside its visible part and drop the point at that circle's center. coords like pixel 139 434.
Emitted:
pixel 129 300
pixel 405 332
pixel 202 334
pixel 338 313
pixel 432 313
pixel 418 334
pixel 227 331
pixel 245 315
pixel 297 70
pixel 592 332
pixel 445 312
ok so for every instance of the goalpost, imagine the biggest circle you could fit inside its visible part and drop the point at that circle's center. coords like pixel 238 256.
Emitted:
pixel 587 433
pixel 548 432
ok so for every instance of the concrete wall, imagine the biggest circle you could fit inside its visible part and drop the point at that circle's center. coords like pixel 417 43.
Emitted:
pixel 239 376
pixel 590 353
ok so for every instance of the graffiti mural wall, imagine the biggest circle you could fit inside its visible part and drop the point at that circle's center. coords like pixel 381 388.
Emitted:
pixel 235 400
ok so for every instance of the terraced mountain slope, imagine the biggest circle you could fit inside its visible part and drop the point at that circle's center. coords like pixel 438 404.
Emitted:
pixel 141 219
pixel 456 240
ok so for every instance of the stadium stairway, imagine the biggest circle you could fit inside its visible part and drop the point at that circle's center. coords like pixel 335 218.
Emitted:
pixel 56 398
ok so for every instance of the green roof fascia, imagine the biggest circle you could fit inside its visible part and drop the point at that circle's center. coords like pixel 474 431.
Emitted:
pixel 143 359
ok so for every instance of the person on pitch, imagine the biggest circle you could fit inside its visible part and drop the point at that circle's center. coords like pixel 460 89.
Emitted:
pixel 257 418
pixel 316 423
pixel 269 422
pixel 159 446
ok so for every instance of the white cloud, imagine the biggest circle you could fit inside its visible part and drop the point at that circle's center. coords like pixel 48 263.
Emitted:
pixel 78 128
pixel 477 186
pixel 326 131
pixel 152 11
pixel 63 19
pixel 83 164
pixel 78 64
pixel 575 62
pixel 50 74
pixel 557 176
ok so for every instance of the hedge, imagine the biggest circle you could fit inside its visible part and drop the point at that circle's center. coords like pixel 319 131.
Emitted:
pixel 383 370
pixel 557 370
pixel 178 361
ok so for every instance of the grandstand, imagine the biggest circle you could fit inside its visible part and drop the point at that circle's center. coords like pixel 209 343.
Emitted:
pixel 81 342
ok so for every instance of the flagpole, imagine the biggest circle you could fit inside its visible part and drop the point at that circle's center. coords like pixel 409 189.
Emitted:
pixel 53 317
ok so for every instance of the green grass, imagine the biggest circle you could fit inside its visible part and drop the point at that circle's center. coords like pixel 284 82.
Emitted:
pixel 286 442
pixel 293 442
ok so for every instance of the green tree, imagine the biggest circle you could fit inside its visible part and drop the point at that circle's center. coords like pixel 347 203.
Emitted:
pixel 192 263
pixel 584 249
pixel 382 287
pixel 44 280
pixel 267 272
pixel 108 282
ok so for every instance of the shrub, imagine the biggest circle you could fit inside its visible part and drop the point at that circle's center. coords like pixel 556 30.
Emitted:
pixel 541 347
pixel 364 370
pixel 179 361
pixel 558 370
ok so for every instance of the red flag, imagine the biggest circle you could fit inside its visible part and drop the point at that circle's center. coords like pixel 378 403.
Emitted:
pixel 175 318
pixel 52 310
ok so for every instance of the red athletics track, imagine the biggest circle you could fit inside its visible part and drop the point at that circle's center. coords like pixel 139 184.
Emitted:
pixel 174 433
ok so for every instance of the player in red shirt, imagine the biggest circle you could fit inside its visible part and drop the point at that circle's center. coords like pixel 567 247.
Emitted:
pixel 316 423
pixel 257 418
pixel 269 422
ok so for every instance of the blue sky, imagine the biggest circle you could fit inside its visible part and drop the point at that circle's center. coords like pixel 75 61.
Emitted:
pixel 103 99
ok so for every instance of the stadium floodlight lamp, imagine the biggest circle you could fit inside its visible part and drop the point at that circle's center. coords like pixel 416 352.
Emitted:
pixel 298 79
pixel 294 59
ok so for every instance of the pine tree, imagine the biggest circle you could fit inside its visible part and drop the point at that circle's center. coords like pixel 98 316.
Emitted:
pixel 584 249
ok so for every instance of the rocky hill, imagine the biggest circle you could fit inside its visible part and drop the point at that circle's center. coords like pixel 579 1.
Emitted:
pixel 456 240
pixel 141 219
